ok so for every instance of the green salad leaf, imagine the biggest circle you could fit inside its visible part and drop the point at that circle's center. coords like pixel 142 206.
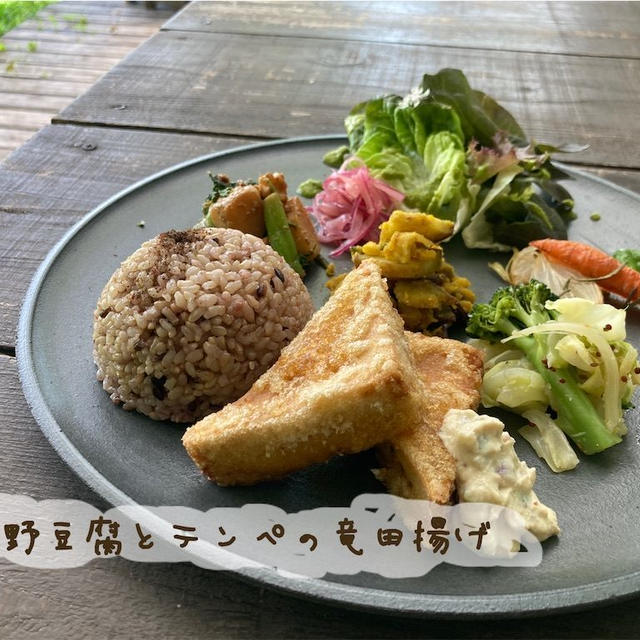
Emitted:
pixel 480 115
pixel 629 257
pixel 415 145
pixel 459 155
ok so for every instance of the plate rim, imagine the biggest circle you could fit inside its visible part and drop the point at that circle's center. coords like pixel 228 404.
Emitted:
pixel 352 596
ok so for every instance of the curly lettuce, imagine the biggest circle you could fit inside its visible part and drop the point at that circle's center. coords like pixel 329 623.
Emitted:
pixel 459 155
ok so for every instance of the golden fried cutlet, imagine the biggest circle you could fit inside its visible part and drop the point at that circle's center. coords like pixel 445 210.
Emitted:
pixel 416 463
pixel 344 384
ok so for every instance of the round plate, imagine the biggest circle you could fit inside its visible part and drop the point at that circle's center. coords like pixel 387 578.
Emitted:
pixel 130 459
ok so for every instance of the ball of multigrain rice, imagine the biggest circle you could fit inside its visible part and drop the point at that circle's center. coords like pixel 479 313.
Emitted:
pixel 192 319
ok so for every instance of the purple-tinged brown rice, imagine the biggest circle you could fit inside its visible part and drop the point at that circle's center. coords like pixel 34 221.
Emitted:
pixel 189 321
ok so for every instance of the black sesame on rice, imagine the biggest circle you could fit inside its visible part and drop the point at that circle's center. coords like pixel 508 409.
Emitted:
pixel 189 326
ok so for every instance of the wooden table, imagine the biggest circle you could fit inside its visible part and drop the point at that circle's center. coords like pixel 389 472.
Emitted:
pixel 52 58
pixel 223 74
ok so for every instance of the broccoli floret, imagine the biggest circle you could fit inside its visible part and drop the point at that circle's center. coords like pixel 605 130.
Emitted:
pixel 510 309
pixel 518 307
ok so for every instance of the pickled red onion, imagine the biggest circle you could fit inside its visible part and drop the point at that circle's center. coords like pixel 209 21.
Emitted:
pixel 351 206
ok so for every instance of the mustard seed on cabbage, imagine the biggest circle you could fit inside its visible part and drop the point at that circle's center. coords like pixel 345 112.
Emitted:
pixel 564 358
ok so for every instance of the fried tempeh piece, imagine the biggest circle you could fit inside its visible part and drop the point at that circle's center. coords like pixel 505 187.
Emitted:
pixel 302 230
pixel 416 463
pixel 242 209
pixel 344 384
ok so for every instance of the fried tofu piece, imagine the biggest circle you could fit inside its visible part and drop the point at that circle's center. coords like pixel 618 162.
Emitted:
pixel 416 463
pixel 344 384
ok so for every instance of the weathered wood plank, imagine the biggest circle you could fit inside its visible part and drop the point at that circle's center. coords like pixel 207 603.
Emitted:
pixel 166 601
pixel 18 119
pixel 13 138
pixel 60 59
pixel 119 22
pixel 283 86
pixel 29 464
pixel 67 47
pixel 628 179
pixel 53 56
pixel 591 29
pixel 123 9
pixel 31 102
pixel 47 73
pixel 61 174
pixel 105 12
pixel 21 36
pixel 112 28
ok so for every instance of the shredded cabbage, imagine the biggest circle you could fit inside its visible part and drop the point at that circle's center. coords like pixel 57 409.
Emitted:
pixel 608 320
pixel 574 352
pixel 548 441
pixel 515 385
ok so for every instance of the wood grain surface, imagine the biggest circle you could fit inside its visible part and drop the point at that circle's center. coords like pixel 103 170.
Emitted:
pixel 70 12
pixel 25 71
pixel 61 175
pixel 23 35
pixel 595 29
pixel 223 74
pixel 51 59
pixel 272 86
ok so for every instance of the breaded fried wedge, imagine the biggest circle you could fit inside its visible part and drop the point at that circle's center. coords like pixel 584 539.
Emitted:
pixel 416 463
pixel 344 384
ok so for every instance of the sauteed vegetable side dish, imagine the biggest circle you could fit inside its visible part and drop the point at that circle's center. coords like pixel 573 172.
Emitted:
pixel 263 209
pixel 214 325
pixel 426 290
pixel 567 354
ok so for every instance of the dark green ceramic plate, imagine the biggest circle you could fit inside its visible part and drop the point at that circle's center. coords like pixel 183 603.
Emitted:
pixel 128 458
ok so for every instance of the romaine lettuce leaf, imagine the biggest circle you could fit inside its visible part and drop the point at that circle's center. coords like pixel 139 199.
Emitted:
pixel 446 184
pixel 417 148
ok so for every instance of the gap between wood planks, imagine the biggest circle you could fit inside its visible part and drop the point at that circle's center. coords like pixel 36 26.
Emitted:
pixel 67 57
pixel 132 127
pixel 438 45
pixel 554 28
pixel 105 125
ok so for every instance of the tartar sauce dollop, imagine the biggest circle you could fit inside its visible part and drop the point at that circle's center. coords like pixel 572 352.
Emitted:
pixel 489 470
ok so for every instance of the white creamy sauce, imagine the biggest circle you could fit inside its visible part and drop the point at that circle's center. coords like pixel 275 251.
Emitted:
pixel 488 469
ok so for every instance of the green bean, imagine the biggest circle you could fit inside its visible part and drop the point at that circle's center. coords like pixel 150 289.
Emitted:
pixel 279 233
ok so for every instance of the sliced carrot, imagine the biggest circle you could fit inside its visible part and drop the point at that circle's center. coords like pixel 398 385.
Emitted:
pixel 593 263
